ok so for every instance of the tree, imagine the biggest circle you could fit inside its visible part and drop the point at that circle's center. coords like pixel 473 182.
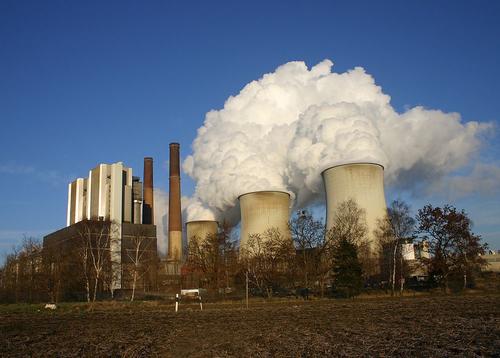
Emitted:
pixel 349 225
pixel 139 254
pixel 23 277
pixel 308 236
pixel 94 252
pixel 268 259
pixel 393 230
pixel 347 271
pixel 454 248
pixel 212 260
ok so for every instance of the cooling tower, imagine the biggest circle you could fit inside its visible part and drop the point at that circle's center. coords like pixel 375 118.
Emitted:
pixel 200 229
pixel 362 182
pixel 148 206
pixel 174 206
pixel 263 210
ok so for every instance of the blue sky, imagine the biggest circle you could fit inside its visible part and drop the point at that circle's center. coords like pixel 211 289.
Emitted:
pixel 83 82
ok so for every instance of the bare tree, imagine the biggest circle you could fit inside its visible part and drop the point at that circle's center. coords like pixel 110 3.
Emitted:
pixel 139 253
pixel 308 236
pixel 94 250
pixel 23 276
pixel 212 259
pixel 393 230
pixel 268 259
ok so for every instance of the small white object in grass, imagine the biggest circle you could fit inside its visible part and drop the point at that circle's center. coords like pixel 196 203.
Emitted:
pixel 50 306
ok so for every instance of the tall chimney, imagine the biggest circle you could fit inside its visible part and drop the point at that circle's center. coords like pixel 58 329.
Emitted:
pixel 148 207
pixel 174 206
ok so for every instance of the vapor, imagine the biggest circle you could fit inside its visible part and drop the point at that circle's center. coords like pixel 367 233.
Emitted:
pixel 282 130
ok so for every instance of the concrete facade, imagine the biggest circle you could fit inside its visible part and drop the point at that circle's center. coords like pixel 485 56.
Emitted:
pixel 63 246
pixel 200 229
pixel 261 211
pixel 105 195
pixel 361 182
pixel 492 261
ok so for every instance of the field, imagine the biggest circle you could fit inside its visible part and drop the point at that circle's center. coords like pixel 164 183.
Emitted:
pixel 422 326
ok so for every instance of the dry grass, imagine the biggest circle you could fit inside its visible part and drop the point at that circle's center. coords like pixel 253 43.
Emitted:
pixel 420 326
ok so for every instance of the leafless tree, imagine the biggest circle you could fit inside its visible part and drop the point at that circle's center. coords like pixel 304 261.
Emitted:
pixel 268 259
pixel 392 231
pixel 140 255
pixel 308 236
pixel 212 260
pixel 94 252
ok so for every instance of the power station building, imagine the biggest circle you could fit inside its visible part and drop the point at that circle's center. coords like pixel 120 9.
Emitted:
pixel 109 193
pixel 113 201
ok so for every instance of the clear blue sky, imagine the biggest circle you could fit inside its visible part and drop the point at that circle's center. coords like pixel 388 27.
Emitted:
pixel 83 82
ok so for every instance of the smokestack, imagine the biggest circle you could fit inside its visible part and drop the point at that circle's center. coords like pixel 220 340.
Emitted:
pixel 261 211
pixel 148 207
pixel 174 206
pixel 361 182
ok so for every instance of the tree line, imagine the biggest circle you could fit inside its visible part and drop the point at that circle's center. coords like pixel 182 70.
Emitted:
pixel 341 261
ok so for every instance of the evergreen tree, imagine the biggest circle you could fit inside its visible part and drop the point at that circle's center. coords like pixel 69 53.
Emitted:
pixel 347 272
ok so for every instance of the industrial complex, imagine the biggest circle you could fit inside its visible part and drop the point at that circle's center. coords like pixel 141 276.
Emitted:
pixel 112 196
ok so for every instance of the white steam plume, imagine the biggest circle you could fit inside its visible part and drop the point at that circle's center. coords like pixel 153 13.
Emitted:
pixel 281 131
pixel 161 219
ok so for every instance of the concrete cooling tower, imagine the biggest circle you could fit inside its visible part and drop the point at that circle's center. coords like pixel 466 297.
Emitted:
pixel 362 182
pixel 263 210
pixel 200 229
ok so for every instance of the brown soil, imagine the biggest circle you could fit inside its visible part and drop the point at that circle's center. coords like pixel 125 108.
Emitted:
pixel 422 326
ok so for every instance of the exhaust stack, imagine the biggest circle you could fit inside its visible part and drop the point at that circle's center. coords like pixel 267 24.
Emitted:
pixel 148 206
pixel 174 206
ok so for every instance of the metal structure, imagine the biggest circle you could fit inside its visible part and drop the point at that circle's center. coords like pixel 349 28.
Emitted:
pixel 361 182
pixel 261 211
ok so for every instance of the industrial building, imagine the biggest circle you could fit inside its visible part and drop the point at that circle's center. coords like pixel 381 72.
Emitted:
pixel 492 259
pixel 117 203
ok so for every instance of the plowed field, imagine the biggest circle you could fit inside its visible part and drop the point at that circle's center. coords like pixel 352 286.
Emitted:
pixel 424 326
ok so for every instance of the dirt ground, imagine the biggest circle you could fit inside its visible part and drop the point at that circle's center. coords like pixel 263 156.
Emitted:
pixel 422 326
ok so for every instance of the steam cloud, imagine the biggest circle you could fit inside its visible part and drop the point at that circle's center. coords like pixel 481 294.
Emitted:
pixel 281 131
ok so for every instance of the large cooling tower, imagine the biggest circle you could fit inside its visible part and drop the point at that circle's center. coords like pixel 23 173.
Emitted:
pixel 263 210
pixel 200 229
pixel 362 182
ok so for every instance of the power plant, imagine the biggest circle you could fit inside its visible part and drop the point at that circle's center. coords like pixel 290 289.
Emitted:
pixel 109 200
pixel 111 193
pixel 364 184
pixel 261 211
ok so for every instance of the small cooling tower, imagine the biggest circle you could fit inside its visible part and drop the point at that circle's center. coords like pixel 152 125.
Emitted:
pixel 263 210
pixel 200 229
